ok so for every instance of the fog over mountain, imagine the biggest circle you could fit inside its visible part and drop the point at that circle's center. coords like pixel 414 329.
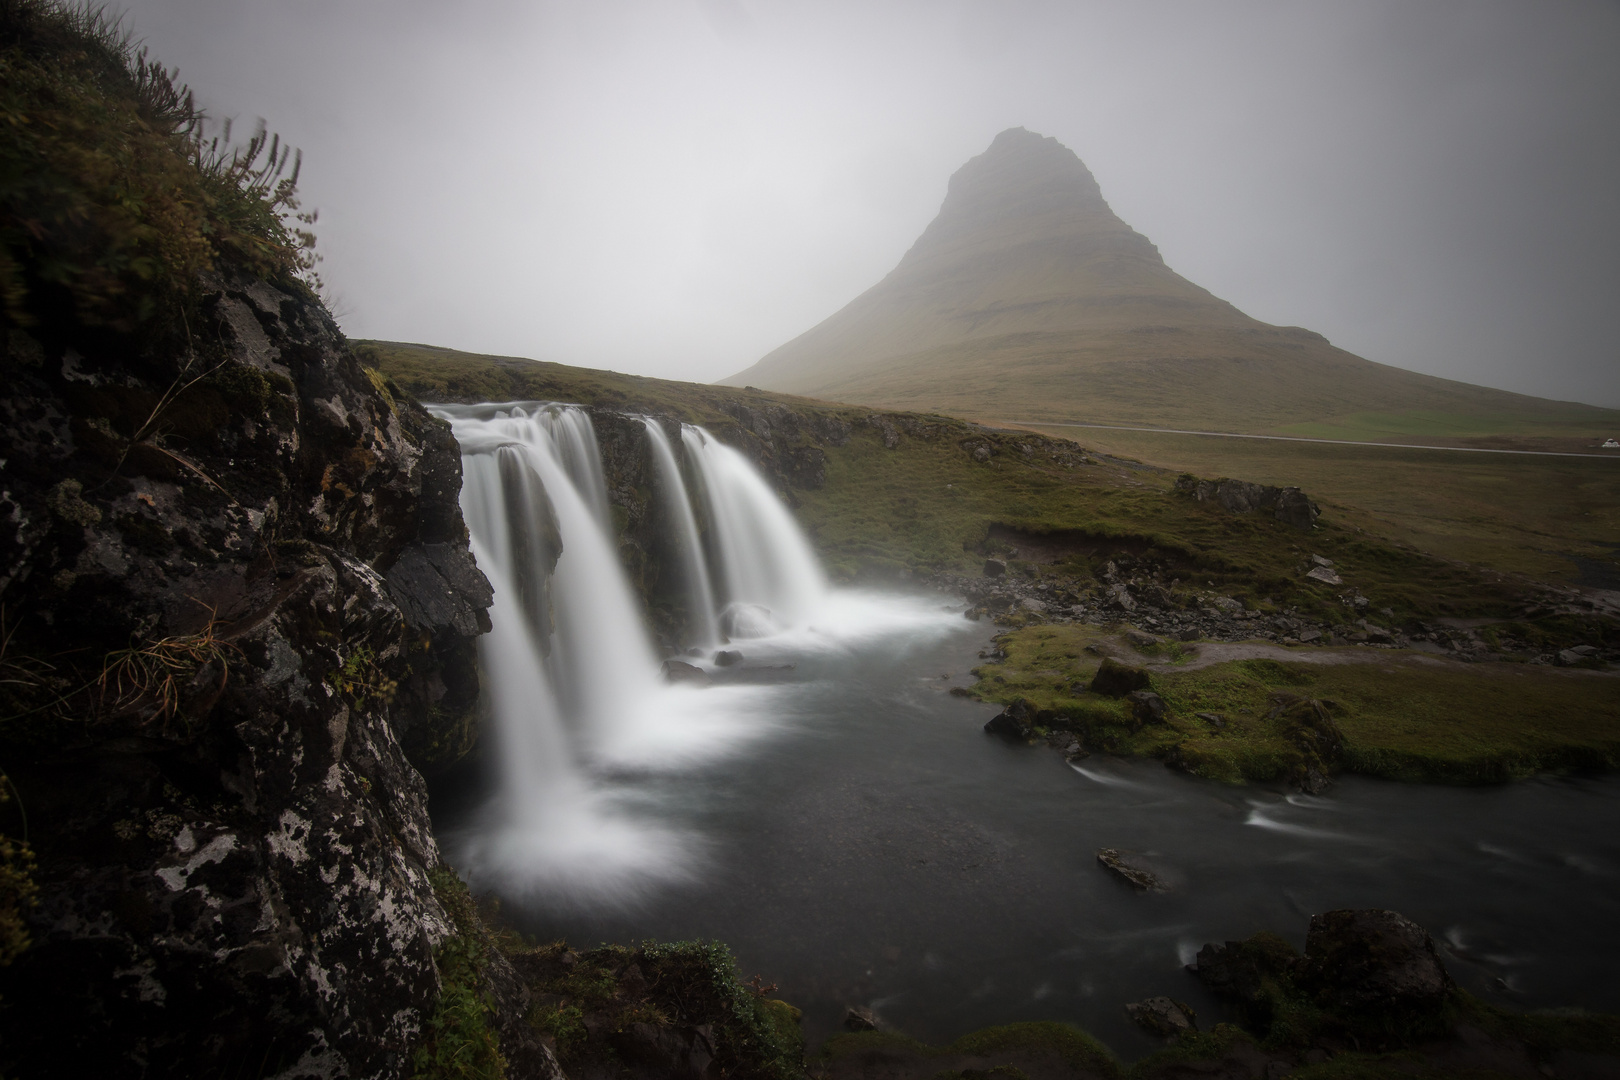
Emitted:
pixel 678 189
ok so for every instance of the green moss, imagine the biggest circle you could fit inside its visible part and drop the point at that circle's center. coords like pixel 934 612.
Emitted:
pixel 1400 715
pixel 459 1039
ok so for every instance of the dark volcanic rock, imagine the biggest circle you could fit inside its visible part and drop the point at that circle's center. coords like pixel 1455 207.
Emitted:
pixel 1114 679
pixel 728 657
pixel 1373 961
pixel 244 563
pixel 1162 1017
pixel 1016 721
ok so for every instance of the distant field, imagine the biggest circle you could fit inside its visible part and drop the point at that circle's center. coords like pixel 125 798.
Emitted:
pixel 1551 518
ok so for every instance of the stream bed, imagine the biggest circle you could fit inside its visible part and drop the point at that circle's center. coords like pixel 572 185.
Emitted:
pixel 855 837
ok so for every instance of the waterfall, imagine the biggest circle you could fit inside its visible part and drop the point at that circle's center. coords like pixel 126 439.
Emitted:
pixel 687 540
pixel 572 684
pixel 771 578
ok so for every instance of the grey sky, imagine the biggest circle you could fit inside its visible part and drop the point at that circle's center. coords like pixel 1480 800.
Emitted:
pixel 675 187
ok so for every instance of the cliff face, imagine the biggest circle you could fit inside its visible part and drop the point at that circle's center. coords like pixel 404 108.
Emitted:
pixel 237 600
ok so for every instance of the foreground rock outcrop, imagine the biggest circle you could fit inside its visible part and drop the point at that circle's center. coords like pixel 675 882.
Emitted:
pixel 237 598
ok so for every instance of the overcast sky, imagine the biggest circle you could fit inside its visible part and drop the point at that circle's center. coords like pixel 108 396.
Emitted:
pixel 676 187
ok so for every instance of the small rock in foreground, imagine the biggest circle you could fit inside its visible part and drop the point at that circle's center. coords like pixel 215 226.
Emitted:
pixel 1113 860
pixel 860 1018
pixel 1163 1017
pixel 728 657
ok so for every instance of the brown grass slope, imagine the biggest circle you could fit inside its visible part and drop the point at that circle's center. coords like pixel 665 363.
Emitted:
pixel 1028 298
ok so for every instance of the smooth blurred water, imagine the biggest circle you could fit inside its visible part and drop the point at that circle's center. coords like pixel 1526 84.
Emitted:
pixel 848 828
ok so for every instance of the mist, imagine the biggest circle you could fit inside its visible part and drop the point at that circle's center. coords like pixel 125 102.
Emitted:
pixel 674 189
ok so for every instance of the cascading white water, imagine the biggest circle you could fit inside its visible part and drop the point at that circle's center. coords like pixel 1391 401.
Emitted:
pixel 689 543
pixel 572 682
pixel 771 578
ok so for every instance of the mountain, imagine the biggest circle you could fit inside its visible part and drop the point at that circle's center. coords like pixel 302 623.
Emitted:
pixel 1028 298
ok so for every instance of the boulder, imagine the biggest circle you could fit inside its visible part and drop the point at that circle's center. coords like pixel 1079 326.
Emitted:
pixel 1308 636
pixel 1371 961
pixel 1146 706
pixel 994 568
pixel 1320 560
pixel 1213 718
pixel 1114 679
pixel 679 671
pixel 728 657
pixel 1158 596
pixel 1016 721
pixel 1325 576
pixel 1140 639
pixel 1036 607
pixel 1139 878
pixel 1162 1016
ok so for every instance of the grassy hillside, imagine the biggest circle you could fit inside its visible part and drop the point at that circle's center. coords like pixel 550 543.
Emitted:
pixel 927 505
pixel 1555 519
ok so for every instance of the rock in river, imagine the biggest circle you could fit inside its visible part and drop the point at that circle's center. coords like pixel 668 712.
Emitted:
pixel 679 671
pixel 1114 861
pixel 728 657
pixel 1016 721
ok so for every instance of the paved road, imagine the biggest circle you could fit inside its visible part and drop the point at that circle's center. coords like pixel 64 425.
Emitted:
pixel 1612 456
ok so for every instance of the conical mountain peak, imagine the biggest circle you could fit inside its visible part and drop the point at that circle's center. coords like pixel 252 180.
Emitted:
pixel 1021 175
pixel 1027 297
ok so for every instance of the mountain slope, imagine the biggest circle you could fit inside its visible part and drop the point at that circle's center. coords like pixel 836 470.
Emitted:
pixel 1028 298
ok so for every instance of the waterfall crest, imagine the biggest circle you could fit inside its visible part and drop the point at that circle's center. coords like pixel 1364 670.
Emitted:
pixel 772 579
pixel 688 541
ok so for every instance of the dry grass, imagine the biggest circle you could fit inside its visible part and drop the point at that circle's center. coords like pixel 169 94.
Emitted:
pixel 1527 515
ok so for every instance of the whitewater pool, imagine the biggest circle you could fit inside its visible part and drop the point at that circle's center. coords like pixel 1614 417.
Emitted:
pixel 828 810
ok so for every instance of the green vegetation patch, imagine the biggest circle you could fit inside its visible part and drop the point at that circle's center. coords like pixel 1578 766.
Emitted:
pixel 1398 715
pixel 459 1040
pixel 658 1004
pixel 112 198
